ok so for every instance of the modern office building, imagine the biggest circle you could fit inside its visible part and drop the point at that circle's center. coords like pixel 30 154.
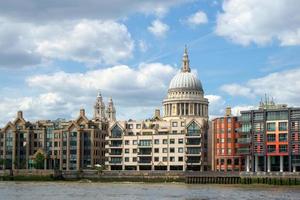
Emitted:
pixel 175 141
pixel 65 145
pixel 270 138
pixel 225 143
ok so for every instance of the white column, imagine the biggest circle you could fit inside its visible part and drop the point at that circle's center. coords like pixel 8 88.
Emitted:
pixel 248 163
pixel 281 163
pixel 184 107
pixel 179 107
pixel 197 107
pixel 256 163
pixel 269 164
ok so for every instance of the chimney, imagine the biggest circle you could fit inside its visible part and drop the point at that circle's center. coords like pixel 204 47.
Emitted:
pixel 82 112
pixel 228 111
pixel 20 114
pixel 157 113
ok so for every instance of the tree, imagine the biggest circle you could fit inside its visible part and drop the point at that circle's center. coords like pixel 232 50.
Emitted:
pixel 2 162
pixel 39 161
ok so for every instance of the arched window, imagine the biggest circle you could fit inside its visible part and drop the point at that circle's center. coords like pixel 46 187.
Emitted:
pixel 116 132
pixel 193 129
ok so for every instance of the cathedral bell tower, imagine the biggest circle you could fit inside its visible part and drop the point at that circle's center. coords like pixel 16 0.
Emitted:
pixel 111 111
pixel 99 109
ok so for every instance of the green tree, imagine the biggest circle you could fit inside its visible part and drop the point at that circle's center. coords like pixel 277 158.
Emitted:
pixel 2 162
pixel 39 161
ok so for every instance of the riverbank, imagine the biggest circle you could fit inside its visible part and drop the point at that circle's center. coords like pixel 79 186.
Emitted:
pixel 77 190
pixel 153 177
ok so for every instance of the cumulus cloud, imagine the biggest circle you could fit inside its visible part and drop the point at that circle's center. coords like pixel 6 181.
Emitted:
pixel 91 32
pixel 48 11
pixel 284 86
pixel 237 90
pixel 61 94
pixel 260 22
pixel 197 18
pixel 158 28
pixel 88 41
pixel 216 105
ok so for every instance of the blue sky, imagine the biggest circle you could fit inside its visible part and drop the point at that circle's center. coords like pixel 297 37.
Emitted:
pixel 56 56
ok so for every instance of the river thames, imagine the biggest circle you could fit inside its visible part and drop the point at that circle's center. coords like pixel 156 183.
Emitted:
pixel 107 191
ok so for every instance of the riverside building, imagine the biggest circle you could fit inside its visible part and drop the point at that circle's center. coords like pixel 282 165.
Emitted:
pixel 177 140
pixel 270 138
pixel 65 145
pixel 225 143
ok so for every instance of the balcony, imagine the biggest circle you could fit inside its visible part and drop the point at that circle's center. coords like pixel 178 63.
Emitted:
pixel 244 140
pixel 243 151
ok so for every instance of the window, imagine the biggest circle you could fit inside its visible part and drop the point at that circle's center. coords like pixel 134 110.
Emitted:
pixel 126 142
pixel 116 132
pixel 180 150
pixel 126 150
pixel 172 141
pixel 271 148
pixel 174 132
pixel 134 159
pixel 165 141
pixel 193 129
pixel 246 127
pixel 271 137
pixel 229 162
pixel 134 150
pixel 156 150
pixel 145 143
pixel 156 141
pixel 258 116
pixel 156 159
pixel 180 159
pixel 281 115
pixel 172 159
pixel 165 150
pixel 138 126
pixel 282 126
pixel 135 142
pixel 180 141
pixel 229 140
pixel 271 126
pixel 283 148
pixel 236 161
pixel 182 124
pixel 165 159
pixel 174 124
pixel 172 150
pixel 126 159
pixel 282 137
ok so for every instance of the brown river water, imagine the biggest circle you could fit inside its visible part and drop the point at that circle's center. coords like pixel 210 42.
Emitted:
pixel 144 191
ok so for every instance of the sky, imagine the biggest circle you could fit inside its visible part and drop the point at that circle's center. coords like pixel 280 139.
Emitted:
pixel 55 56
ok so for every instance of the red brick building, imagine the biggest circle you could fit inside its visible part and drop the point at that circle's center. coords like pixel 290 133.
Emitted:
pixel 224 150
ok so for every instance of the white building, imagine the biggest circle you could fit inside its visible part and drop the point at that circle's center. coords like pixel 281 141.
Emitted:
pixel 175 141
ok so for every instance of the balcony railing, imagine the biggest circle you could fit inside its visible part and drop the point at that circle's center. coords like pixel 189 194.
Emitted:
pixel 244 140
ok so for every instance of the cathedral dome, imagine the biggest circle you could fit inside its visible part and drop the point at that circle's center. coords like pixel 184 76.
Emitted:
pixel 185 79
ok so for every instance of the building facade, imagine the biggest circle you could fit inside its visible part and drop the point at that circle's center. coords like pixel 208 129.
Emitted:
pixel 270 138
pixel 175 141
pixel 65 145
pixel 225 143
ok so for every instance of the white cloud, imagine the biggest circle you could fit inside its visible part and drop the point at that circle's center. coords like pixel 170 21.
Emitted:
pixel 237 90
pixel 34 32
pixel 197 18
pixel 143 46
pixel 62 94
pixel 158 28
pixel 41 11
pixel 236 110
pixel 91 42
pixel 216 105
pixel 284 86
pixel 88 41
pixel 260 22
